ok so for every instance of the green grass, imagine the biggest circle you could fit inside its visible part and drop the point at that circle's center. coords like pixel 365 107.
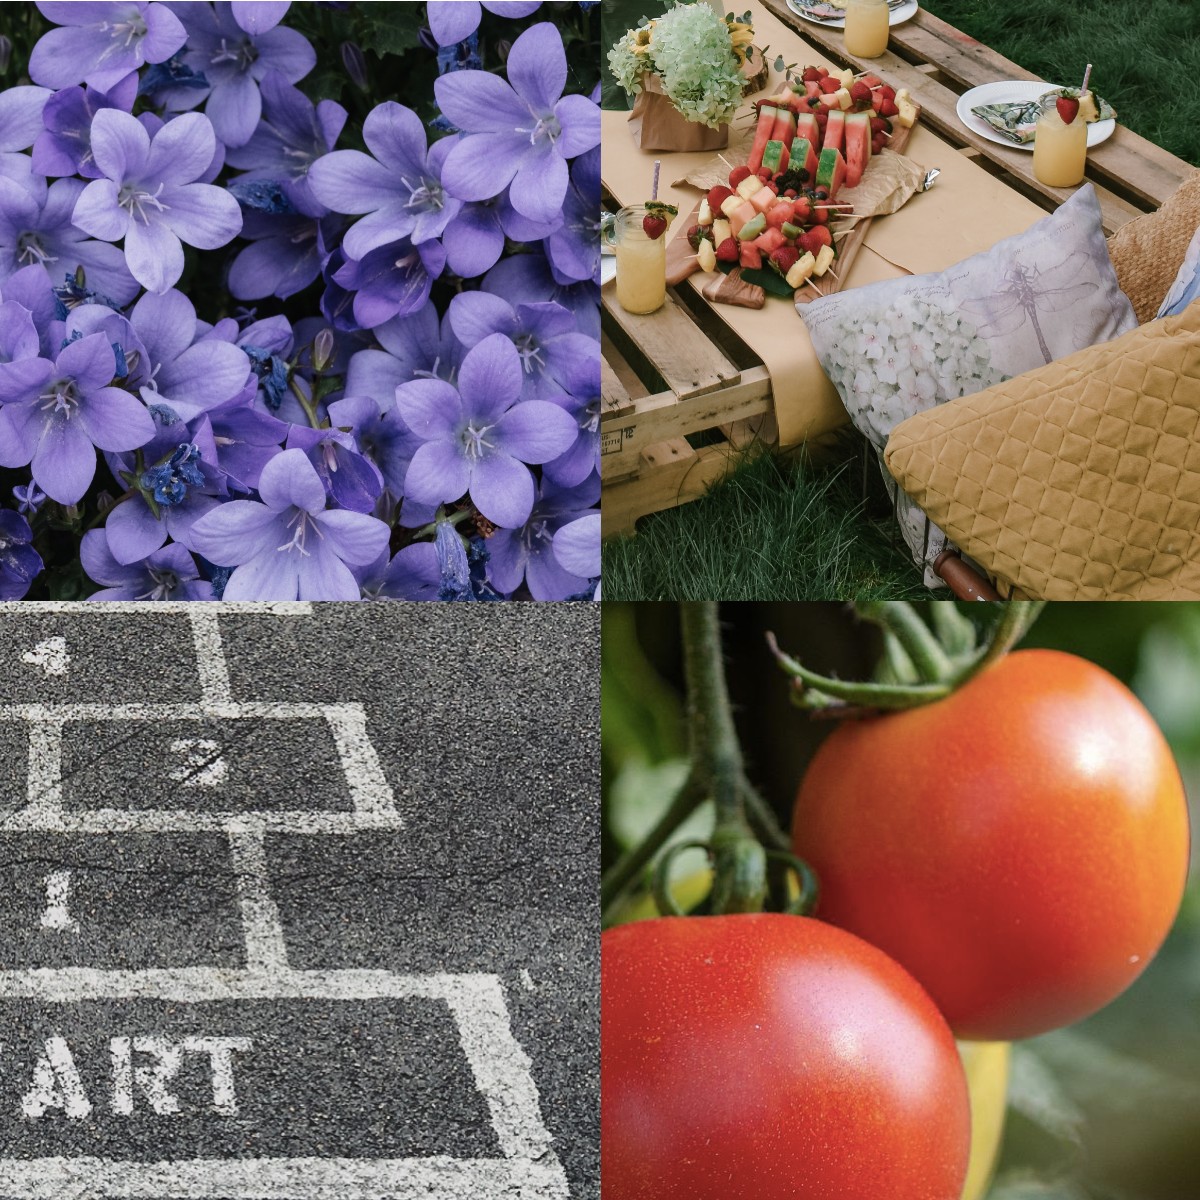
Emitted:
pixel 772 531
pixel 786 535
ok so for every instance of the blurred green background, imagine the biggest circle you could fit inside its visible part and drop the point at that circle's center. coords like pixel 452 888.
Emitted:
pixel 1106 1110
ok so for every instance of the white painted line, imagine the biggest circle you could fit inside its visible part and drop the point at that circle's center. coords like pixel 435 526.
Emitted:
pixel 266 949
pixel 246 710
pixel 203 767
pixel 271 608
pixel 57 915
pixel 210 656
pixel 51 655
pixel 368 784
pixel 43 783
pixel 502 1070
pixel 287 1179
pixel 117 821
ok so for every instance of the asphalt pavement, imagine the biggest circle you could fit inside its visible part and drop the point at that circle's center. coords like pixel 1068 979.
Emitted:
pixel 302 902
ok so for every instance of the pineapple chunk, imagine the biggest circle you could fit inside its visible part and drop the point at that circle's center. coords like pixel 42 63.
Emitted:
pixel 907 114
pixel 749 186
pixel 707 256
pixel 1087 107
pixel 846 77
pixel 731 204
pixel 844 99
pixel 705 215
pixel 824 260
pixel 721 230
pixel 802 268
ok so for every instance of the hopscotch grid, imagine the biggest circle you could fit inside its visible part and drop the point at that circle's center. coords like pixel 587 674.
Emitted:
pixel 501 1069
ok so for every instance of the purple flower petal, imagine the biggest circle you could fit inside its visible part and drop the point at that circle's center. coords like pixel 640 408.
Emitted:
pixel 63 57
pixel 355 538
pixel 482 165
pixel 535 431
pixel 539 187
pixel 323 576
pixel 537 66
pixel 430 408
pixel 476 315
pixel 154 254
pixel 489 379
pixel 164 34
pixel 577 546
pixel 502 489
pixel 203 215
pixel 287 51
pixel 120 144
pixel 349 181
pixel 579 119
pixel 182 149
pixel 268 576
pixel 438 472
pixel 288 480
pixel 133 533
pixel 238 531
pixel 478 102
pixel 452 21
pixel 396 136
pixel 234 109
pixel 89 361
pixel 21 116
pixel 97 211
pixel 115 420
pixel 257 16
pixel 64 462
pixel 474 241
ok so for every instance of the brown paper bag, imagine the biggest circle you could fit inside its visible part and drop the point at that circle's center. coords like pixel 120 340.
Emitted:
pixel 657 124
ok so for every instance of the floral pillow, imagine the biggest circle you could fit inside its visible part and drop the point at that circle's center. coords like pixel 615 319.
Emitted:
pixel 896 348
pixel 1186 287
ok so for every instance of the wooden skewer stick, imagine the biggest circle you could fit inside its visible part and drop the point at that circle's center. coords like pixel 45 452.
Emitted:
pixel 814 287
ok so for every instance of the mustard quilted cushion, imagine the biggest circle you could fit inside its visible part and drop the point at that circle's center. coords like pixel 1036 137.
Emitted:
pixel 1079 480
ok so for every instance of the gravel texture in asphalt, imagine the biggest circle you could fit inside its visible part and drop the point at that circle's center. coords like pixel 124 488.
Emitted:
pixel 301 902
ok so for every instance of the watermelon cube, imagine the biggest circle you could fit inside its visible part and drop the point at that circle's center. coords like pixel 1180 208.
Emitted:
pixel 785 127
pixel 775 157
pixel 769 239
pixel 831 171
pixel 740 215
pixel 835 130
pixel 763 199
pixel 858 146
pixel 750 256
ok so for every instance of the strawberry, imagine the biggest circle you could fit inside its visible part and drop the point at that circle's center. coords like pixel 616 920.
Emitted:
pixel 717 196
pixel 727 251
pixel 655 227
pixel 860 92
pixel 820 236
pixel 784 259
pixel 878 125
pixel 888 108
pixel 764 173
pixel 807 244
pixel 811 75
pixel 738 174
pixel 1068 108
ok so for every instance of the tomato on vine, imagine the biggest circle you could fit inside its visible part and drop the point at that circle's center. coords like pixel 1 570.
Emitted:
pixel 1020 845
pixel 768 1056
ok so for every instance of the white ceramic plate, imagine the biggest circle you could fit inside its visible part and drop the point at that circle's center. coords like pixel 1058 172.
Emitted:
pixel 897 16
pixel 1011 91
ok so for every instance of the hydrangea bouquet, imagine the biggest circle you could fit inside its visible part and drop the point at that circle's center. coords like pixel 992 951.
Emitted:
pixel 271 329
pixel 697 56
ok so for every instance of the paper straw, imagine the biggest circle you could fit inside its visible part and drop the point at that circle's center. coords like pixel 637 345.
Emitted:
pixel 1086 76
pixel 654 188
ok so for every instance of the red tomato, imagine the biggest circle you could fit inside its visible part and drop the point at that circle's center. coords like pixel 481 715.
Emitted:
pixel 763 1056
pixel 1020 846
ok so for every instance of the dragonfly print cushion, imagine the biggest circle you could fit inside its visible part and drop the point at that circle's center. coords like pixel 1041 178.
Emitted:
pixel 895 348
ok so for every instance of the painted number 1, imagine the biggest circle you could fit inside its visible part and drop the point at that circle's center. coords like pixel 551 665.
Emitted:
pixel 57 915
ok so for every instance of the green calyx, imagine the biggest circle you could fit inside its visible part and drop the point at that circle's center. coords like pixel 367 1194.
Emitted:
pixel 922 661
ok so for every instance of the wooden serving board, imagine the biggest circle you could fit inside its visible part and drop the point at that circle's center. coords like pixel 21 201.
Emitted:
pixel 681 258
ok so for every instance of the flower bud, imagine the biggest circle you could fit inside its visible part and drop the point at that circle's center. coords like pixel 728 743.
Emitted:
pixel 355 63
pixel 322 352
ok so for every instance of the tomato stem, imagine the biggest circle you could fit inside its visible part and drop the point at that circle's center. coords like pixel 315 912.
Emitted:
pixel 1015 622
pixel 900 619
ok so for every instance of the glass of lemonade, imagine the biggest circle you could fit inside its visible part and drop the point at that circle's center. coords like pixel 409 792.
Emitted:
pixel 1059 149
pixel 866 28
pixel 641 262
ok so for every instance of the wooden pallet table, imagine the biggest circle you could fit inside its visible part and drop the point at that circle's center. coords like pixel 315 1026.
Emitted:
pixel 684 400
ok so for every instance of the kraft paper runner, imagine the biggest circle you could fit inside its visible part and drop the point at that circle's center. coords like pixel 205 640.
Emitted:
pixel 966 211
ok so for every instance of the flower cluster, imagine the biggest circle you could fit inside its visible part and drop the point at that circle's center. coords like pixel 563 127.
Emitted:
pixel 697 54
pixel 410 409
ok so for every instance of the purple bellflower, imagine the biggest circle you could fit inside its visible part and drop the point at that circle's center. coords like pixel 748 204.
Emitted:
pixel 519 134
pixel 545 336
pixel 398 188
pixel 55 415
pixel 351 480
pixel 167 574
pixel 529 279
pixel 20 563
pixel 574 248
pixel 36 227
pixel 64 145
pixel 283 258
pixel 292 135
pixel 577 547
pixel 418 346
pixel 234 46
pixel 528 553
pixel 148 195
pixel 101 41
pixel 392 280
pixel 289 547
pixel 414 574
pixel 453 21
pixel 382 438
pixel 479 436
